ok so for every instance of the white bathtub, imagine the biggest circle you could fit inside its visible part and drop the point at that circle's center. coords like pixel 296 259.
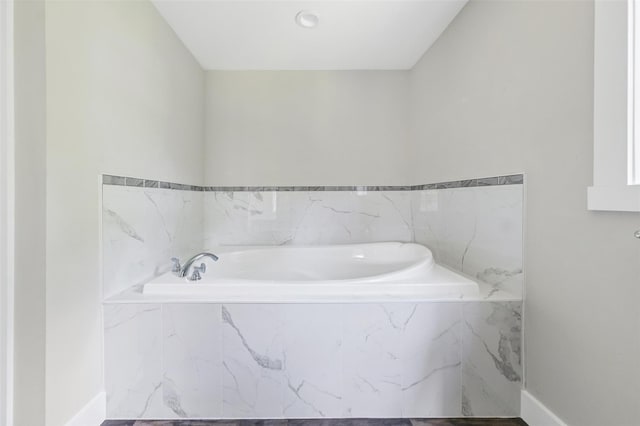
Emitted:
pixel 339 273
pixel 355 272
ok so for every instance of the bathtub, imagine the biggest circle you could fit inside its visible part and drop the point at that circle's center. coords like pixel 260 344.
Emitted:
pixel 339 273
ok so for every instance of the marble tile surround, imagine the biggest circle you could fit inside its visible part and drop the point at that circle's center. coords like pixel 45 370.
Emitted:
pixel 312 361
pixel 306 218
pixel 323 360
pixel 472 226
pixel 476 231
pixel 142 228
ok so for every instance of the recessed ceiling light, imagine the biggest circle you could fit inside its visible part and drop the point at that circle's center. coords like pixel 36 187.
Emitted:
pixel 307 19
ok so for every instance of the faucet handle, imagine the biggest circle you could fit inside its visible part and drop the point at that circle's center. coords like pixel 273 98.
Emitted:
pixel 176 265
pixel 195 275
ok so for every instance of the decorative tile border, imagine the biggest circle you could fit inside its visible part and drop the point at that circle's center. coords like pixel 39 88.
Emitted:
pixel 468 183
pixel 516 179
pixel 146 183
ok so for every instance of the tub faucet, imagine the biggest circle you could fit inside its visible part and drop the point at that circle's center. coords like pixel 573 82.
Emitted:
pixel 182 272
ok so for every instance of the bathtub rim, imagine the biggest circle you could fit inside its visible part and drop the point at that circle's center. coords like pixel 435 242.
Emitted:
pixel 486 293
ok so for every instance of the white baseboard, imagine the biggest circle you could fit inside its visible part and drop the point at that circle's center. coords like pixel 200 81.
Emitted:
pixel 534 413
pixel 92 414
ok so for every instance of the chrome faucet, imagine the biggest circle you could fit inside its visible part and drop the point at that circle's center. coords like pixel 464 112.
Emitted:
pixel 184 270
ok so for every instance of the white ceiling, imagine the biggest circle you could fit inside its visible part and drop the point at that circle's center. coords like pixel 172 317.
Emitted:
pixel 351 35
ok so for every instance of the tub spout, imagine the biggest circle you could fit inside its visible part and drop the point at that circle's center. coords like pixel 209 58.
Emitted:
pixel 185 269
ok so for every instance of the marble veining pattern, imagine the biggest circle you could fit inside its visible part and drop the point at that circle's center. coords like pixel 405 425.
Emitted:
pixel 192 360
pixel 305 218
pixel 253 357
pixel 133 361
pixel 142 229
pixel 477 231
pixel 492 366
pixel 312 361
pixel 431 361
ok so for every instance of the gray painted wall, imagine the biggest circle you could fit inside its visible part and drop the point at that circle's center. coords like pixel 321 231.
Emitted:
pixel 30 213
pixel 509 87
pixel 125 97
pixel 307 128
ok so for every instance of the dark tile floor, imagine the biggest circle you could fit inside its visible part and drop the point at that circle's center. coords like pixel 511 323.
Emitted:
pixel 333 422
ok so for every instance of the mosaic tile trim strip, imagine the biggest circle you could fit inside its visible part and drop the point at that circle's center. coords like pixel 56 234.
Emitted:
pixel 517 179
pixel 469 421
pixel 146 183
